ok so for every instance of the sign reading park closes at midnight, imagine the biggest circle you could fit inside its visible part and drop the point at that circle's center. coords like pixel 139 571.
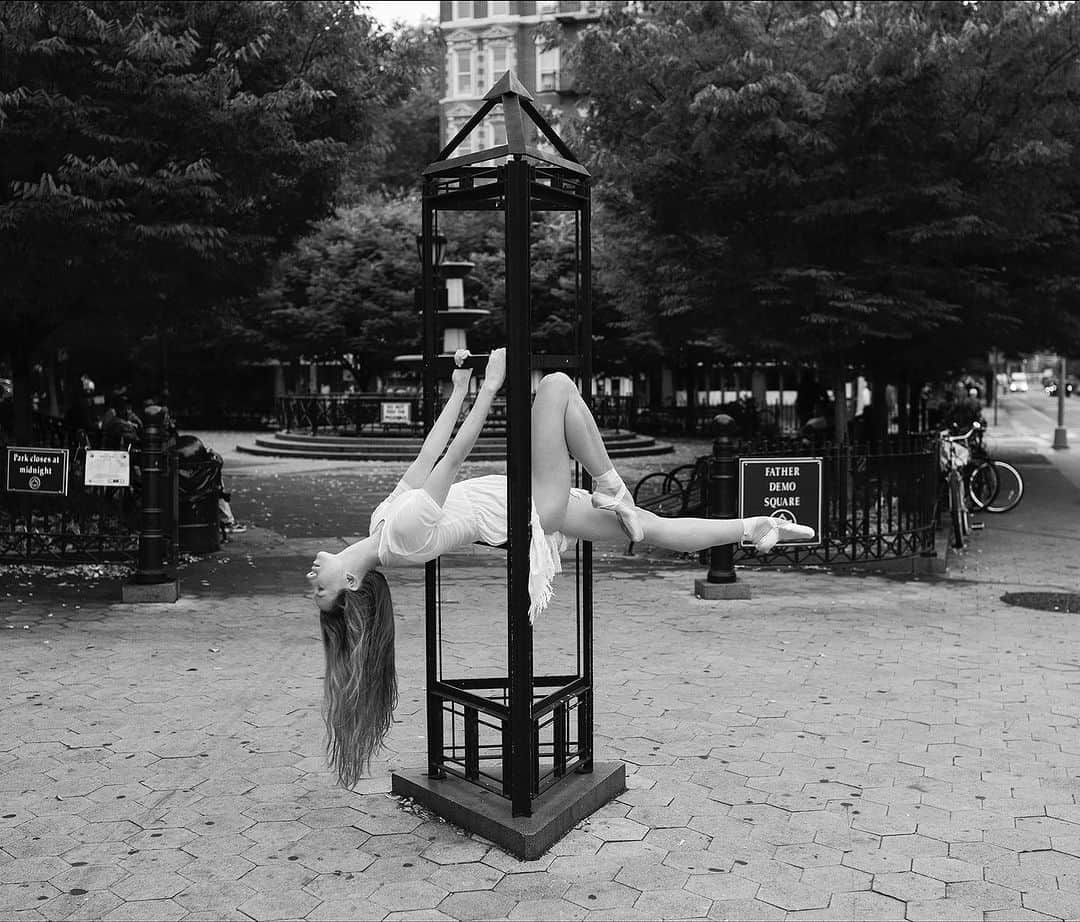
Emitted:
pixel 788 488
pixel 37 470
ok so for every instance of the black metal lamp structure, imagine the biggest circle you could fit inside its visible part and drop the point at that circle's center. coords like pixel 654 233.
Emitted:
pixel 511 756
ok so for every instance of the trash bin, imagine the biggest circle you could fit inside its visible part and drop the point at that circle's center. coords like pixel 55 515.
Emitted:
pixel 199 488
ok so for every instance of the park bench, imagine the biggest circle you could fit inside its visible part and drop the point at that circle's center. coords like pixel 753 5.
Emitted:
pixel 682 491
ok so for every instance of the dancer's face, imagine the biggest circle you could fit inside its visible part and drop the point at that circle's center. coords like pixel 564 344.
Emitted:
pixel 328 576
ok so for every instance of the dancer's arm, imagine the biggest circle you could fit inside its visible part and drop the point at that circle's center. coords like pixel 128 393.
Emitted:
pixel 436 440
pixel 445 472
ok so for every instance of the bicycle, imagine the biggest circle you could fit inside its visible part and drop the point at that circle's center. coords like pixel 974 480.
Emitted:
pixel 955 457
pixel 992 485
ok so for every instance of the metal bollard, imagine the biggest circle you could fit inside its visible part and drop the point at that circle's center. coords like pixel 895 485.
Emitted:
pixel 723 484
pixel 721 582
pixel 152 582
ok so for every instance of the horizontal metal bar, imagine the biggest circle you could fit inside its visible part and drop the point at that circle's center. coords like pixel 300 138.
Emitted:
pixel 546 704
pixel 481 156
pixel 449 693
pixel 540 361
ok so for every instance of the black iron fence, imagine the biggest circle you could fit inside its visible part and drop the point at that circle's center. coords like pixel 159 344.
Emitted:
pixel 88 524
pixel 879 501
pixel 364 414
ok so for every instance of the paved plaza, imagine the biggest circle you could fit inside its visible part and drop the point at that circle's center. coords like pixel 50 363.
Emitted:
pixel 841 746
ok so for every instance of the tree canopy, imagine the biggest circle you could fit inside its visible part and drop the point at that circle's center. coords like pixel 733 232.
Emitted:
pixel 158 156
pixel 861 182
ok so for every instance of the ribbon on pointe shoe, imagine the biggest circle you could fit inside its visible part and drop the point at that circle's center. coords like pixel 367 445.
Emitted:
pixel 622 504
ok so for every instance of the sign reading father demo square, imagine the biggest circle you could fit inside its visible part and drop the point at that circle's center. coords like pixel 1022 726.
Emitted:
pixel 789 488
pixel 37 470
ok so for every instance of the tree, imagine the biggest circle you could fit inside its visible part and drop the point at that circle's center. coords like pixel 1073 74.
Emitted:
pixel 158 156
pixel 346 292
pixel 873 184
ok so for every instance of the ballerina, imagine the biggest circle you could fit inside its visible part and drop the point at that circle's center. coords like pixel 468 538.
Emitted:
pixel 430 513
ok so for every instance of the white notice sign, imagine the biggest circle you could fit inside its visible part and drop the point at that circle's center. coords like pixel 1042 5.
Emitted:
pixel 107 469
pixel 396 413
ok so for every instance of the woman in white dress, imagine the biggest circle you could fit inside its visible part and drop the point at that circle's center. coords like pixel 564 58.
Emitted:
pixel 430 513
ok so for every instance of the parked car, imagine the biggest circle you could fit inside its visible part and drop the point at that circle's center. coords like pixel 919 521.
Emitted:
pixel 1018 383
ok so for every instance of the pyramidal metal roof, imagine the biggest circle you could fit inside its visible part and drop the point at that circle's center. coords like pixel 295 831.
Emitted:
pixel 517 104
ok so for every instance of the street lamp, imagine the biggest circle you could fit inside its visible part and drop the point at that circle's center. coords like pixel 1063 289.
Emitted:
pixel 438 248
pixel 1061 436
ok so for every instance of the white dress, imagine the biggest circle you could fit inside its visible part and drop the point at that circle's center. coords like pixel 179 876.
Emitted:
pixel 417 529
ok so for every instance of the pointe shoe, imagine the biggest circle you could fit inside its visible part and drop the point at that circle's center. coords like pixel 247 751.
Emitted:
pixel 622 504
pixel 767 530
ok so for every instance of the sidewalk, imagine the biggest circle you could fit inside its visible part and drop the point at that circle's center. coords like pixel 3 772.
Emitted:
pixel 846 747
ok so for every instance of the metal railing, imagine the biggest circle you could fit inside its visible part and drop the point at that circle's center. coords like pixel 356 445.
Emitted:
pixel 879 501
pixel 89 524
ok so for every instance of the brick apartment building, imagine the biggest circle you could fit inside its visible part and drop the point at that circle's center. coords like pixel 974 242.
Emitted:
pixel 484 38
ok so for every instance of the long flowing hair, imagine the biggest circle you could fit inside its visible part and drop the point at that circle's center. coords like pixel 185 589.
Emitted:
pixel 360 687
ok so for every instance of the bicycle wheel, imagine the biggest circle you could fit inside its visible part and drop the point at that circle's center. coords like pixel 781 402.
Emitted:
pixel 1010 488
pixel 982 484
pixel 956 508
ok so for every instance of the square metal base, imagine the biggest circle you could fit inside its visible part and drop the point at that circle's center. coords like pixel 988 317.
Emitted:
pixel 168 591
pixel 555 812
pixel 715 592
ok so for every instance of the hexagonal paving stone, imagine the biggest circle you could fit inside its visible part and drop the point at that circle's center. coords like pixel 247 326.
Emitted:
pixel 353 908
pixel 460 851
pixel 908 886
pixel 284 904
pixel 344 886
pixel 94 904
pixel 458 878
pixel 722 886
pixel 26 896
pixel 809 855
pixel 169 838
pixel 88 877
pixel 398 823
pixel 155 885
pixel 983 894
pixel 38 846
pixel 947 910
pixel 601 894
pixel 418 915
pixel 672 904
pixel 22 870
pixel 478 904
pixel 651 875
pixel 214 896
pixel 791 896
pixel 947 870
pixel 1044 862
pixel 876 861
pixel 617 829
pixel 1058 904
pixel 141 910
pixel 221 867
pixel 403 868
pixel 403 896
pixel 554 910
pixel 534 886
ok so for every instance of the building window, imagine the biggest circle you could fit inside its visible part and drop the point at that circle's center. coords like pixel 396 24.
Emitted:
pixel 498 59
pixel 454 124
pixel 547 69
pixel 463 72
pixel 498 131
pixel 547 6
pixel 463 9
pixel 498 7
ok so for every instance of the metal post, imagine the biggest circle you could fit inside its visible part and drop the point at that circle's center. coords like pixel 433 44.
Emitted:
pixel 720 582
pixel 723 501
pixel 1061 435
pixel 152 534
pixel 152 582
pixel 522 767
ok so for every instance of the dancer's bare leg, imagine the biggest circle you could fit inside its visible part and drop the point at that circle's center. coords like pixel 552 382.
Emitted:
pixel 562 424
pixel 586 523
pixel 559 410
